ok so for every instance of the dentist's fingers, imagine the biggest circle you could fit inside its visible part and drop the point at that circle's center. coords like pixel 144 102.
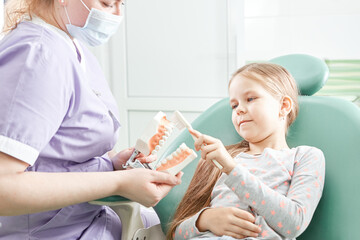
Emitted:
pixel 146 159
pixel 179 176
pixel 126 153
pixel 148 187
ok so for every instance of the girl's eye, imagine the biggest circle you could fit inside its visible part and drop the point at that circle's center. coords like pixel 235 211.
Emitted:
pixel 250 99
pixel 234 106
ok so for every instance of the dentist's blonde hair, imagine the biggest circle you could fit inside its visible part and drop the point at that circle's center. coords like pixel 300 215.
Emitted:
pixel 17 10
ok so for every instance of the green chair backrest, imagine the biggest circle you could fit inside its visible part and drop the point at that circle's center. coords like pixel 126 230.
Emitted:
pixel 330 124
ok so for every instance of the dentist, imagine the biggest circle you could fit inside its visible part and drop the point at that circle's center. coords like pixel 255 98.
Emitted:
pixel 58 121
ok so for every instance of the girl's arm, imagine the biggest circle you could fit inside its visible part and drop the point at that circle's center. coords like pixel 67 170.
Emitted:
pixel 288 215
pixel 229 221
pixel 188 229
pixel 30 192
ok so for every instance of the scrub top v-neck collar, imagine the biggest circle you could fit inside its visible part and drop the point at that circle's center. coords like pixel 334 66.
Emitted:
pixel 74 44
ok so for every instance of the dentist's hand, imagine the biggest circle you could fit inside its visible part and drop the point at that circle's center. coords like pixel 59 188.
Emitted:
pixel 145 186
pixel 121 157
pixel 213 149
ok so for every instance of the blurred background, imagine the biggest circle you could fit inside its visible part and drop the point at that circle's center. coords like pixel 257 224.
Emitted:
pixel 178 55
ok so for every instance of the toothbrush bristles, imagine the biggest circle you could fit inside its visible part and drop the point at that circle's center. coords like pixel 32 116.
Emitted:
pixel 180 122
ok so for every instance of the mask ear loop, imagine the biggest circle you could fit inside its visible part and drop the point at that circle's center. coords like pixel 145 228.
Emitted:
pixel 85 5
pixel 67 15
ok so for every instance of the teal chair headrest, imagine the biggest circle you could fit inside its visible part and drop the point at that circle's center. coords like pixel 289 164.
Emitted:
pixel 310 73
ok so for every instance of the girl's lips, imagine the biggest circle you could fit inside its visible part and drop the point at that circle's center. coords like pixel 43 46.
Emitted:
pixel 244 121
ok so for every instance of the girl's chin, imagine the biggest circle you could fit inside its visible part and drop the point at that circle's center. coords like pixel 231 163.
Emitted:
pixel 246 138
pixel 246 134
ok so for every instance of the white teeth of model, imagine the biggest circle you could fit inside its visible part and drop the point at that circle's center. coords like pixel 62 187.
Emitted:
pixel 169 158
pixel 175 154
pixel 164 161
pixel 157 148
pixel 168 128
pixel 167 133
pixel 183 146
pixel 165 138
pixel 154 152
pixel 161 142
pixel 178 151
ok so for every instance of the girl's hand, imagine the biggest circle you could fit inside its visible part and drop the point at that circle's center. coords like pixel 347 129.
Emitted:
pixel 121 157
pixel 145 186
pixel 213 149
pixel 229 221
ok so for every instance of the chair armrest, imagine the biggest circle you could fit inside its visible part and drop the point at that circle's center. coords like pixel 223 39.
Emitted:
pixel 154 232
pixel 128 212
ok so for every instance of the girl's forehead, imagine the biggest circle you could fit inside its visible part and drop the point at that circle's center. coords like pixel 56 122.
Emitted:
pixel 241 86
pixel 244 83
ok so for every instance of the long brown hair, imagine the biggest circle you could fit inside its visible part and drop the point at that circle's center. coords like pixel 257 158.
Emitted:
pixel 279 82
pixel 198 194
pixel 17 10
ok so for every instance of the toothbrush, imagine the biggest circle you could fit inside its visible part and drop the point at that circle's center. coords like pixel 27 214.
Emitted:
pixel 181 122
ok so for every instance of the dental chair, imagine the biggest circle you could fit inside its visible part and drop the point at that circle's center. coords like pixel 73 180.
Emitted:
pixel 328 123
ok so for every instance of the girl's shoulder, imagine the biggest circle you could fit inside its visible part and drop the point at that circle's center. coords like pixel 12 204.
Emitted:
pixel 309 155
pixel 291 153
pixel 308 150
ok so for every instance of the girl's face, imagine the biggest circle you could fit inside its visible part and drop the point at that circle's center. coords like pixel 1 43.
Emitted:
pixel 256 113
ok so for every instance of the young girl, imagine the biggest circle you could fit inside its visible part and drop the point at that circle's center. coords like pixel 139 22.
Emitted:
pixel 265 189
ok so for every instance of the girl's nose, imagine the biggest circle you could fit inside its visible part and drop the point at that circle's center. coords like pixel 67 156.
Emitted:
pixel 240 110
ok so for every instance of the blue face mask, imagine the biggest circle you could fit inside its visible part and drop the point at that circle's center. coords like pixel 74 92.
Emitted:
pixel 98 28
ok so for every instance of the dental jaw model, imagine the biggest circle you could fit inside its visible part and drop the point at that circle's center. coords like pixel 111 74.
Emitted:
pixel 176 161
pixel 150 142
pixel 153 139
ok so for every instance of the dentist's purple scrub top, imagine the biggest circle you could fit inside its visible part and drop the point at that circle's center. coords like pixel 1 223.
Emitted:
pixel 58 115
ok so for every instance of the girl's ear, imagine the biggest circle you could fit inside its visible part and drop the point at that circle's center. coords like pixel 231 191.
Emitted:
pixel 286 106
